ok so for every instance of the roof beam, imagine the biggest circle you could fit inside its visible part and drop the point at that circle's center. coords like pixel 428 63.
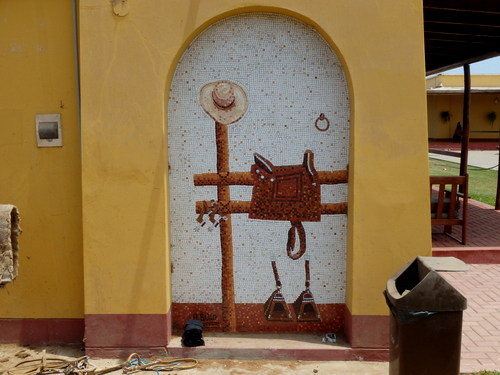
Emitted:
pixel 485 6
pixel 491 19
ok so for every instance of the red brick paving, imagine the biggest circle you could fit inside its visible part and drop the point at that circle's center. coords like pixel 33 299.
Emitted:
pixel 480 285
pixel 484 222
pixel 483 236
pixel 481 321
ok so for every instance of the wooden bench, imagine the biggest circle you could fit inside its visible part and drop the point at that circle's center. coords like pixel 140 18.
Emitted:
pixel 449 203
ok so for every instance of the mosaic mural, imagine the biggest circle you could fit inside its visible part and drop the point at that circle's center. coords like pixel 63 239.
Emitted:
pixel 258 138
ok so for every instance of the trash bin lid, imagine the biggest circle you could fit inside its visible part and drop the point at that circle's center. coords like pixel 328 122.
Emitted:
pixel 444 263
pixel 416 287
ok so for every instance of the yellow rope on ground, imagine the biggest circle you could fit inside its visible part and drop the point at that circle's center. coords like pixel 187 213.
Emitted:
pixel 135 363
pixel 80 366
pixel 46 365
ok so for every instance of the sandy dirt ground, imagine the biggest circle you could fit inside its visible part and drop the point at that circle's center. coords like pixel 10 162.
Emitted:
pixel 12 355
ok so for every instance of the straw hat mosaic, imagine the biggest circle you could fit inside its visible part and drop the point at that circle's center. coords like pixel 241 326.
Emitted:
pixel 224 101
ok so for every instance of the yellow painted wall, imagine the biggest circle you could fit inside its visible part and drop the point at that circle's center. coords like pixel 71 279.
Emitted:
pixel 452 80
pixel 37 75
pixel 480 125
pixel 482 103
pixel 126 67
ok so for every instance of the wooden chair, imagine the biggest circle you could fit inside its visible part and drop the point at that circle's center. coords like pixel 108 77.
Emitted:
pixel 449 205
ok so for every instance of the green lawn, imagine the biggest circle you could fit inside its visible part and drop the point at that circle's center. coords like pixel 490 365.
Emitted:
pixel 482 182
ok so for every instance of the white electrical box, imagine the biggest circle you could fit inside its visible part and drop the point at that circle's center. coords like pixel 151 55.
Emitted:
pixel 48 130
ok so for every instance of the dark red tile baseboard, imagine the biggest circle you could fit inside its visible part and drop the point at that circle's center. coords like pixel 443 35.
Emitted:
pixel 118 335
pixel 41 331
pixel 367 331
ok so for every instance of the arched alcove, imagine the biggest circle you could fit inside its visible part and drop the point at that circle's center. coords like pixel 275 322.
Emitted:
pixel 298 100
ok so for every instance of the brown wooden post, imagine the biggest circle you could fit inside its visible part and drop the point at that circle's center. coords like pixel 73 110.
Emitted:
pixel 497 200
pixel 464 155
pixel 226 232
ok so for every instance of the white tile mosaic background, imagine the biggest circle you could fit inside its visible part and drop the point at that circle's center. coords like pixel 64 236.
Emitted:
pixel 291 75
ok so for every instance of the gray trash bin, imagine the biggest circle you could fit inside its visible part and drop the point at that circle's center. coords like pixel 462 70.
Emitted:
pixel 425 323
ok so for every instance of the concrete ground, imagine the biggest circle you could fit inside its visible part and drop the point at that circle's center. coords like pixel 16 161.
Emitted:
pixel 483 159
pixel 10 355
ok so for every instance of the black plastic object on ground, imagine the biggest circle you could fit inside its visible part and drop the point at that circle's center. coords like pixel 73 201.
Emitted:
pixel 426 322
pixel 193 333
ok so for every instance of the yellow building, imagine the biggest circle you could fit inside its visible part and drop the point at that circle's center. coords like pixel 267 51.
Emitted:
pixel 445 106
pixel 104 235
